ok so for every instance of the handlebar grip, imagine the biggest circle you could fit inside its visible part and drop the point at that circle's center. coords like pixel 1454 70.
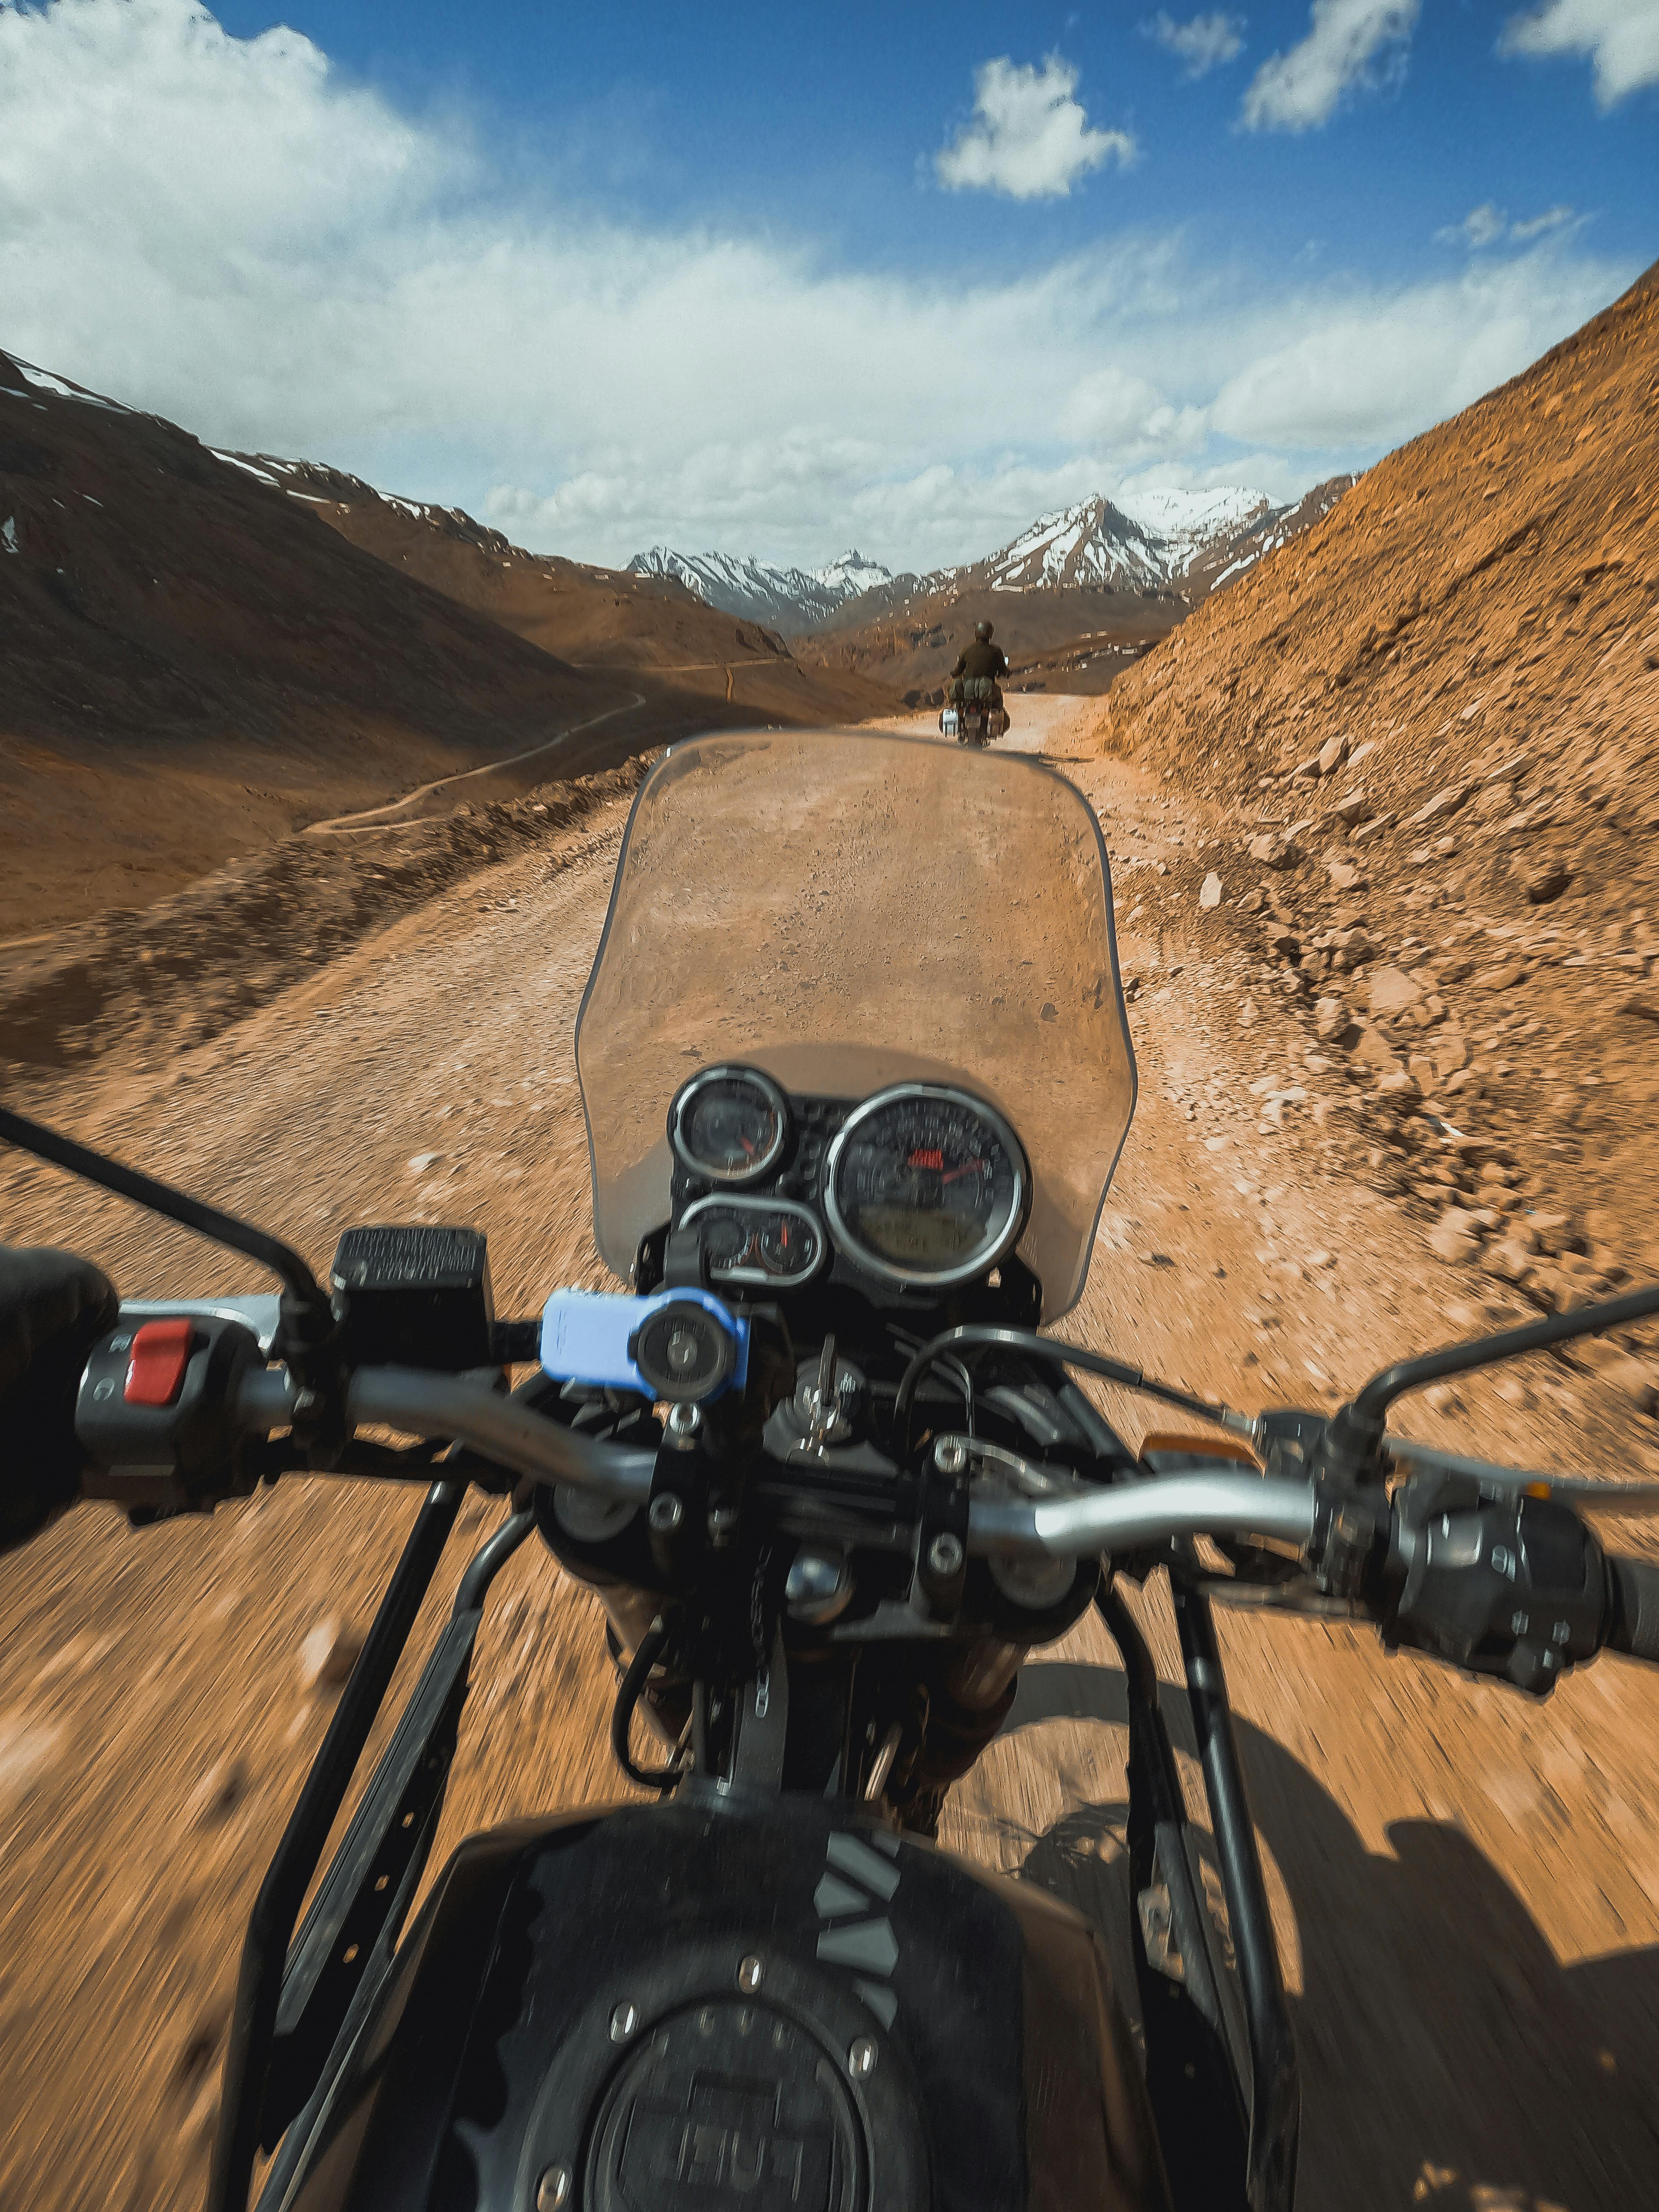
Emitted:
pixel 1633 1608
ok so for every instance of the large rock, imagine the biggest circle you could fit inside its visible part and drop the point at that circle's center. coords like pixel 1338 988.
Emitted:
pixel 1504 977
pixel 1273 849
pixel 1635 1379
pixel 1457 1247
pixel 1462 1220
pixel 328 1654
pixel 1391 992
pixel 1442 804
pixel 1451 1049
pixel 1511 1258
pixel 1332 754
pixel 1372 1049
pixel 1423 1072
pixel 1332 1020
pixel 1546 882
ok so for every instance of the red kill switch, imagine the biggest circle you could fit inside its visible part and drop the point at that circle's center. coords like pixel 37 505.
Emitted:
pixel 161 1353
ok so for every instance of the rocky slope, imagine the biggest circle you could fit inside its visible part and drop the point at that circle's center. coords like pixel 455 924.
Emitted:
pixel 1436 717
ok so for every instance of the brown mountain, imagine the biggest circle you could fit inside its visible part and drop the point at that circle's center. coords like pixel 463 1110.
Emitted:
pixel 190 664
pixel 1076 598
pixel 1077 638
pixel 605 619
pixel 1435 719
pixel 193 665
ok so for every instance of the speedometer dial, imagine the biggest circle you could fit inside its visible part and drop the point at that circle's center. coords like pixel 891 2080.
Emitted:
pixel 730 1124
pixel 926 1185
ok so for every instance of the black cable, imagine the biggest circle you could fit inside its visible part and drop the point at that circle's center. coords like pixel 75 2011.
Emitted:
pixel 981 1336
pixel 1356 1429
pixel 172 1205
pixel 660 1779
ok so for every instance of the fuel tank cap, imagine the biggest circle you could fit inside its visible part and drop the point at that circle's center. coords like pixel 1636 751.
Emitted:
pixel 729 2101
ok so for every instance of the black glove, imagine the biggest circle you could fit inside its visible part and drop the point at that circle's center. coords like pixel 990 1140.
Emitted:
pixel 53 1308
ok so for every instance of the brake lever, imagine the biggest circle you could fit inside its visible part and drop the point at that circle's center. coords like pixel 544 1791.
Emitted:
pixel 1582 1489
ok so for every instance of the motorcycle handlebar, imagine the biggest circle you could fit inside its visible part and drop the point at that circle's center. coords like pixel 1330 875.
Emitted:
pixel 1140 1513
pixel 421 1403
pixel 1617 1607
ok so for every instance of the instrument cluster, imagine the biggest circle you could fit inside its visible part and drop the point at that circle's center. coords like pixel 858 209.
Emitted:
pixel 919 1185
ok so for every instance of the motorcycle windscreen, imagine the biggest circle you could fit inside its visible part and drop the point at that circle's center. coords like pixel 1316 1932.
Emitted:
pixel 846 910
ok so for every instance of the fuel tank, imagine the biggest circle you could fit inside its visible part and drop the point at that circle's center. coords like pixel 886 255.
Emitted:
pixel 705 2004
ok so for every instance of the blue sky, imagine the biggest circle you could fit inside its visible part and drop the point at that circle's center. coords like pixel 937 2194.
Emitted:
pixel 778 281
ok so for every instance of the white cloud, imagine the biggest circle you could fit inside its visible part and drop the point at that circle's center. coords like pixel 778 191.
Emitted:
pixel 1372 374
pixel 1481 226
pixel 1551 218
pixel 1620 36
pixel 1203 44
pixel 228 233
pixel 1113 411
pixel 1349 43
pixel 1031 136
pixel 1488 225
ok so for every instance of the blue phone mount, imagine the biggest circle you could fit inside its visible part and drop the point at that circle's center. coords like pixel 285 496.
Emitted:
pixel 683 1346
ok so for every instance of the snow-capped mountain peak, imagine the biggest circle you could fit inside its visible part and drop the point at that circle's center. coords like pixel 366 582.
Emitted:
pixel 786 599
pixel 852 573
pixel 1147 540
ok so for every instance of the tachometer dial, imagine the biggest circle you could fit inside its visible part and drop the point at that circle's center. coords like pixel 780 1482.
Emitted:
pixel 926 1185
pixel 730 1124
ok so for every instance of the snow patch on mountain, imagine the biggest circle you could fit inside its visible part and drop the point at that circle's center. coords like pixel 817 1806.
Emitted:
pixel 1093 543
pixel 44 380
pixel 787 598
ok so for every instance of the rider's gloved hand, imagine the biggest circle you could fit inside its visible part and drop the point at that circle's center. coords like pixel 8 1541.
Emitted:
pixel 53 1308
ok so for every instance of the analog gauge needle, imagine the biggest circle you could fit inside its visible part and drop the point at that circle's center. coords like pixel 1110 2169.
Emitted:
pixel 969 1167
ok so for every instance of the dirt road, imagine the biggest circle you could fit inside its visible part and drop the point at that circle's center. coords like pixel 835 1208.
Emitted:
pixel 1467 1888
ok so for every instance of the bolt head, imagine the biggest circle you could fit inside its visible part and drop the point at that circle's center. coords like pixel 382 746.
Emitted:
pixel 553 2189
pixel 861 2058
pixel 623 2021
pixel 750 1972
pixel 667 1513
pixel 945 1554
pixel 950 1455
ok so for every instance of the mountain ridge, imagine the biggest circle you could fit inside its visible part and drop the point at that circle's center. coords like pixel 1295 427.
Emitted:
pixel 1161 540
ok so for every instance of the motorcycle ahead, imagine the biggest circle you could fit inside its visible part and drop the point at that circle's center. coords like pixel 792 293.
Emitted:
pixel 973 721
pixel 854 1092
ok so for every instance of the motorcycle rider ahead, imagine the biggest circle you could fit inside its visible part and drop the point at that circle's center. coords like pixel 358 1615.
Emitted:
pixel 977 665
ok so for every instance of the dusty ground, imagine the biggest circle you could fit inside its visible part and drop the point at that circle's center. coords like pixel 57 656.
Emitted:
pixel 1468 1887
